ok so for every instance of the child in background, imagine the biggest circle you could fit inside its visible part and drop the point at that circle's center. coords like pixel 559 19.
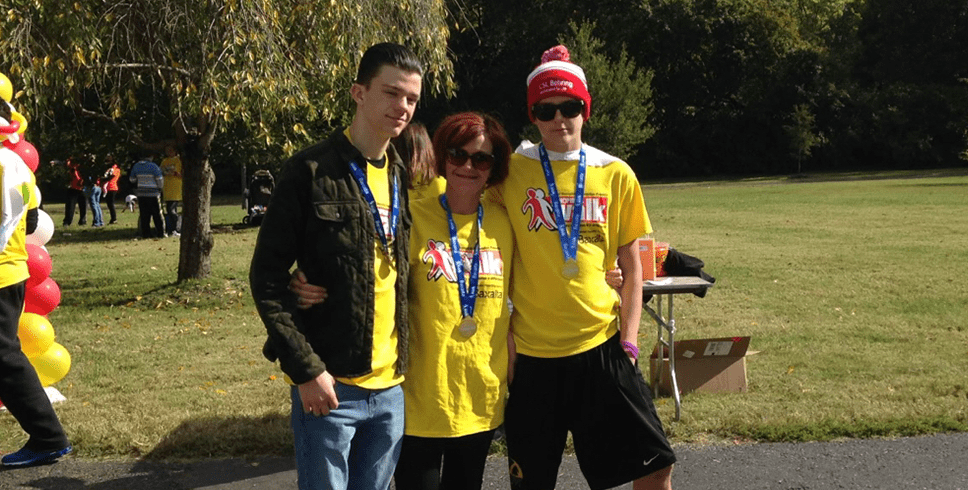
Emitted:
pixel 92 192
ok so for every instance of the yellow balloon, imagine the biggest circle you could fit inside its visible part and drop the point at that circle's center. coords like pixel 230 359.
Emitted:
pixel 16 116
pixel 6 88
pixel 36 334
pixel 52 365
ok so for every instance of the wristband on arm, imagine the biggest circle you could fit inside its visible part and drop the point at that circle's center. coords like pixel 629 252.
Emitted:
pixel 631 349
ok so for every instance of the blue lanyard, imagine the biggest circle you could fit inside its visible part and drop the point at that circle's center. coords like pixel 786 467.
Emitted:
pixel 569 244
pixel 371 202
pixel 468 293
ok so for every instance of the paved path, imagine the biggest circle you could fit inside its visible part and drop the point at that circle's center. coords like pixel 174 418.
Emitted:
pixel 934 462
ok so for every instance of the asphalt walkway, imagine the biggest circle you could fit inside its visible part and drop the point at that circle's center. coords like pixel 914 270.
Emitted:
pixel 937 462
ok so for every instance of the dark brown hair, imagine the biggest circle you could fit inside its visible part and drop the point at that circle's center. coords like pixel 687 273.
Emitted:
pixel 417 152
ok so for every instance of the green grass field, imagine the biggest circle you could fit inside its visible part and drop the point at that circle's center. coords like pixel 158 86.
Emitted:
pixel 849 288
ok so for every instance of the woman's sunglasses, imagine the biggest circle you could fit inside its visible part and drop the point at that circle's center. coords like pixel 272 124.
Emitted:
pixel 569 109
pixel 480 160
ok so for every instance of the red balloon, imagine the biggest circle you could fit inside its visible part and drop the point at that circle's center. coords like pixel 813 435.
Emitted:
pixel 42 298
pixel 26 152
pixel 38 263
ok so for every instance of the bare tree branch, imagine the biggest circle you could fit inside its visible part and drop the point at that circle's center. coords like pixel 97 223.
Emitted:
pixel 147 66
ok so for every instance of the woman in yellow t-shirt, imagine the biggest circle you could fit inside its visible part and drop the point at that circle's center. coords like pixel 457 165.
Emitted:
pixel 456 382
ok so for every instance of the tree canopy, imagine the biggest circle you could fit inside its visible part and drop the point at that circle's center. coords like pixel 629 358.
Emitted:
pixel 273 63
pixel 730 86
pixel 175 71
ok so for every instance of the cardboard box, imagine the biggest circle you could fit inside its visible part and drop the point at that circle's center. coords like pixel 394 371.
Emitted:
pixel 704 365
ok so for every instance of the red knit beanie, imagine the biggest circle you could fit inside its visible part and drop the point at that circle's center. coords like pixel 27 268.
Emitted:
pixel 557 75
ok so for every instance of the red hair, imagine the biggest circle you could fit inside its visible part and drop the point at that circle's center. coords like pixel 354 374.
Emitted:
pixel 458 129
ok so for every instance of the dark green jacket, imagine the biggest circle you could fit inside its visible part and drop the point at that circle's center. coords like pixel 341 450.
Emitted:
pixel 318 220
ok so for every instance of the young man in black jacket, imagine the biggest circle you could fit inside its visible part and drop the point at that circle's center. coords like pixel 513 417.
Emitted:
pixel 340 213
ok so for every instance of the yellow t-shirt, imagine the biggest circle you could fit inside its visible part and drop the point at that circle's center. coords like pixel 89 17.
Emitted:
pixel 171 169
pixel 432 189
pixel 384 374
pixel 555 316
pixel 13 257
pixel 456 385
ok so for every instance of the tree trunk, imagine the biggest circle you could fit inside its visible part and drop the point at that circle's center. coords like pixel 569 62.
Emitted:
pixel 195 251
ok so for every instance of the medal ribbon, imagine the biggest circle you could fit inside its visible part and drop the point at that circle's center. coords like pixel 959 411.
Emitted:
pixel 468 292
pixel 569 243
pixel 371 203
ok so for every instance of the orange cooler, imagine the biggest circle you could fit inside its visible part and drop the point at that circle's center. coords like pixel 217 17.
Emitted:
pixel 648 257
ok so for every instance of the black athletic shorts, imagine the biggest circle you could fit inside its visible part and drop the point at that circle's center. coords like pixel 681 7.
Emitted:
pixel 603 400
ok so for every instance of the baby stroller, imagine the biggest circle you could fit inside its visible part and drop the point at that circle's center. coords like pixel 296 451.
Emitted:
pixel 256 197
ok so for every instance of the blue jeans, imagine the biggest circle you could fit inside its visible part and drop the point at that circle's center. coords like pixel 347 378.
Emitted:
pixel 94 199
pixel 356 446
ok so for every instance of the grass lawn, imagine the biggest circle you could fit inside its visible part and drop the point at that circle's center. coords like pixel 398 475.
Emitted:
pixel 850 289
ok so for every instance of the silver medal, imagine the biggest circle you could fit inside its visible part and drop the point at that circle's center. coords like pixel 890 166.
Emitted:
pixel 467 326
pixel 570 269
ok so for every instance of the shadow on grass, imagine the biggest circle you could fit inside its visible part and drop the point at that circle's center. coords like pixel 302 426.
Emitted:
pixel 811 177
pixel 226 437
pixel 212 292
pixel 934 184
pixel 89 234
pixel 115 233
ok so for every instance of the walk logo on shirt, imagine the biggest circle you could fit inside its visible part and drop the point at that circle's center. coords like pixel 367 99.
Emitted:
pixel 440 262
pixel 538 204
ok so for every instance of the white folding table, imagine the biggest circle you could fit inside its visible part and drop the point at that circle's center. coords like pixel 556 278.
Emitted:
pixel 663 290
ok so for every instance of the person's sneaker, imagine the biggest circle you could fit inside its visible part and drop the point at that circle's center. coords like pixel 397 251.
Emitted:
pixel 26 457
pixel 175 233
pixel 81 223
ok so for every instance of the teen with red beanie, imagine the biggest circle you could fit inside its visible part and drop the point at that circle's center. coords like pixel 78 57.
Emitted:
pixel 575 210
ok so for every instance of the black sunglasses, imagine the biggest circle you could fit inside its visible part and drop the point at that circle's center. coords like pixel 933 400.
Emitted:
pixel 568 108
pixel 480 160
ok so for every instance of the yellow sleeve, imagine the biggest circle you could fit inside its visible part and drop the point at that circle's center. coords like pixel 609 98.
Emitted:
pixel 634 219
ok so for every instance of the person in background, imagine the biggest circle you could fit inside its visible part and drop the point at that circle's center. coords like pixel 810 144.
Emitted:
pixel 75 193
pixel 110 179
pixel 575 339
pixel 416 150
pixel 147 176
pixel 20 388
pixel 92 192
pixel 340 212
pixel 171 168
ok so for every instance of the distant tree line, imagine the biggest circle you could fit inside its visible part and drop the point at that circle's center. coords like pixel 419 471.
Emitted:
pixel 681 88
pixel 737 87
